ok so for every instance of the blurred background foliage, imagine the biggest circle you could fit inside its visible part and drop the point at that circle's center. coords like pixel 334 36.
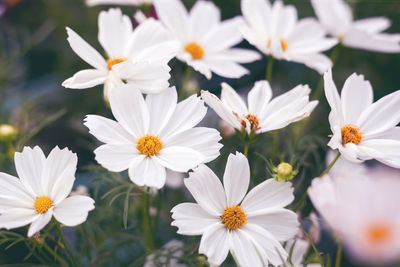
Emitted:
pixel 34 60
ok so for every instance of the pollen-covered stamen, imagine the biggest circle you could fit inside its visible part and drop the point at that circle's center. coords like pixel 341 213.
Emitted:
pixel 43 204
pixel 234 217
pixel 253 120
pixel 284 44
pixel 115 60
pixel 351 134
pixel 379 233
pixel 149 145
pixel 195 50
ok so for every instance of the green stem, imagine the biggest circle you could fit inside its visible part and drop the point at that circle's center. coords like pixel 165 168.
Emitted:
pixel 268 74
pixel 61 234
pixel 246 148
pixel 58 258
pixel 338 256
pixel 330 165
pixel 186 77
pixel 148 238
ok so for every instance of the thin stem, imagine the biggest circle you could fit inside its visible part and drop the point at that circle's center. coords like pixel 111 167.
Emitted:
pixel 338 255
pixel 268 74
pixel 246 148
pixel 61 234
pixel 330 165
pixel 148 238
pixel 58 258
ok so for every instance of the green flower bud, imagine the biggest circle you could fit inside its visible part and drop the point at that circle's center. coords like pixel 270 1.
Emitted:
pixel 7 132
pixel 284 172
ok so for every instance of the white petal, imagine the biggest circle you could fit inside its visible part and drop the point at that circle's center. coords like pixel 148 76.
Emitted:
pixel 225 35
pixel 207 190
pixel 318 62
pixel 244 250
pixel 332 95
pixel 386 151
pixel 383 42
pixel 281 223
pixel 116 157
pixel 352 104
pixel 161 107
pixel 204 16
pixel 85 51
pixel 17 217
pixel 115 30
pixel 40 222
pixel 29 165
pixel 226 68
pixel 198 65
pixel 268 194
pixel 179 158
pixel 238 55
pixel 86 79
pixel 73 210
pixel 372 25
pixel 129 108
pixel 259 97
pixel 256 14
pixel 106 130
pixel 236 178
pixel 215 243
pixel 147 171
pixel 12 189
pixel 350 152
pixel 191 219
pixel 233 100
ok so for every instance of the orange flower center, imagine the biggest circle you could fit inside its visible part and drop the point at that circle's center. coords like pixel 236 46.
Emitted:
pixel 149 145
pixel 195 50
pixel 43 204
pixel 234 217
pixel 115 60
pixel 351 134
pixel 253 120
pixel 379 233
pixel 284 44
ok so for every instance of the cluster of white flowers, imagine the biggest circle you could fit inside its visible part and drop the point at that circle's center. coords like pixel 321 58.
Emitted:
pixel 154 133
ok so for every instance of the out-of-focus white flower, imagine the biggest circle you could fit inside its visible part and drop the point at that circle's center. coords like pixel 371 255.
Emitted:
pixel 299 248
pixel 153 134
pixel 337 18
pixel 206 42
pixel 250 226
pixel 315 228
pixel 167 256
pixel 139 57
pixel 363 130
pixel 118 2
pixel 174 179
pixel 81 190
pixel 41 191
pixel 261 114
pixel 363 212
pixel 275 30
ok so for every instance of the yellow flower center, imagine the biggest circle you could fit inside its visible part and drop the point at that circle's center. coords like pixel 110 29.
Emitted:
pixel 284 44
pixel 43 204
pixel 379 233
pixel 234 217
pixel 253 120
pixel 269 43
pixel 115 60
pixel 351 134
pixel 149 145
pixel 195 50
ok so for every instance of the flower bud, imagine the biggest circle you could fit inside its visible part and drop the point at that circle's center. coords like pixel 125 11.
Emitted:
pixel 7 132
pixel 284 172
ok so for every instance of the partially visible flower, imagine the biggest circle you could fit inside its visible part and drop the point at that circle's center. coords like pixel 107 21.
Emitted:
pixel 167 256
pixel 363 130
pixel 363 212
pixel 7 132
pixel 119 2
pixel 315 228
pixel 81 190
pixel 140 57
pixel 275 30
pixel 41 191
pixel 337 18
pixel 261 114
pixel 174 180
pixel 206 42
pixel 250 226
pixel 298 248
pixel 152 135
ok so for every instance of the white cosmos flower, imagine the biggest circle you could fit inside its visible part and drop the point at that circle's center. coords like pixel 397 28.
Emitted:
pixel 206 42
pixel 261 114
pixel 139 57
pixel 363 130
pixel 41 191
pixel 275 30
pixel 118 2
pixel 337 18
pixel 250 226
pixel 364 213
pixel 153 134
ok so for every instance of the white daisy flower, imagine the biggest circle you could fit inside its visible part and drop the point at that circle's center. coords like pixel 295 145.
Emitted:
pixel 41 191
pixel 250 226
pixel 363 130
pixel 275 30
pixel 139 57
pixel 153 134
pixel 337 18
pixel 119 2
pixel 206 42
pixel 363 212
pixel 261 114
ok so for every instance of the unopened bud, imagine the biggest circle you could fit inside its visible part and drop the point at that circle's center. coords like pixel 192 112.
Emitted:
pixel 284 172
pixel 7 132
